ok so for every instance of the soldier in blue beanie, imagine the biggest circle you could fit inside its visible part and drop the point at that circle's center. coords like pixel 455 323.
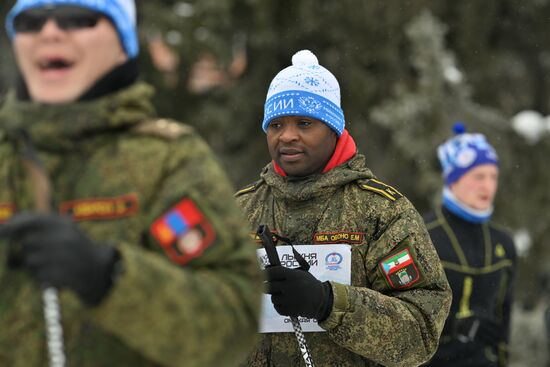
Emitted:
pixel 123 221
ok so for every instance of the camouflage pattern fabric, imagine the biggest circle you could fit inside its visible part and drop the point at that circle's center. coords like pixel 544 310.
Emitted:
pixel 116 169
pixel 372 322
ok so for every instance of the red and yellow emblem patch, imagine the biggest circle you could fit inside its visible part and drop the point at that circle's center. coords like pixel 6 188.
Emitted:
pixel 183 232
pixel 100 208
pixel 400 269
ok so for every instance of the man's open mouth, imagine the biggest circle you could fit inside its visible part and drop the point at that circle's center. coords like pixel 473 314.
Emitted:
pixel 55 64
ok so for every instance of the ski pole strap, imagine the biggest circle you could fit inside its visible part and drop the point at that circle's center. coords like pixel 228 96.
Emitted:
pixel 304 265
pixel 267 241
pixel 266 236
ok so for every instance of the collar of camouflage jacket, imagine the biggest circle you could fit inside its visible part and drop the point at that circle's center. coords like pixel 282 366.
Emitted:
pixel 324 184
pixel 60 127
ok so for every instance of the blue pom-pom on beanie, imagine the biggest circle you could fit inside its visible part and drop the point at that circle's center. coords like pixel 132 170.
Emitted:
pixel 459 128
pixel 305 89
pixel 463 152
pixel 121 12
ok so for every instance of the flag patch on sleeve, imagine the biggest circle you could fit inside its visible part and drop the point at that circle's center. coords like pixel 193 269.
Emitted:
pixel 400 269
pixel 183 232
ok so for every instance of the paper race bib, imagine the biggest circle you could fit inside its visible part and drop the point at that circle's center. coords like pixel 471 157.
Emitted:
pixel 327 262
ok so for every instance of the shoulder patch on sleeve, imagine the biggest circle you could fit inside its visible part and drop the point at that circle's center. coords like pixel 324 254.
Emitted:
pixel 249 188
pixel 162 128
pixel 380 188
pixel 400 270
pixel 183 232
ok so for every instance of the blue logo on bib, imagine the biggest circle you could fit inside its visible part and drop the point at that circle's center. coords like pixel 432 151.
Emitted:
pixel 333 261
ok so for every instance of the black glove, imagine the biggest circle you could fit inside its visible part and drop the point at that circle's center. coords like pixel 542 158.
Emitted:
pixel 295 292
pixel 57 253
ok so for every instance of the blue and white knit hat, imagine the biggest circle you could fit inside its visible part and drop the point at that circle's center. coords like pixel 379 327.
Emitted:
pixel 121 12
pixel 305 89
pixel 463 152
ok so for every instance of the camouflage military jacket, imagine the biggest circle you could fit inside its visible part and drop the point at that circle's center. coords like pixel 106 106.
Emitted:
pixel 394 310
pixel 117 170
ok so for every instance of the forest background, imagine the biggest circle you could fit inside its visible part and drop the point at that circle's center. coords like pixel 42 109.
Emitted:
pixel 408 69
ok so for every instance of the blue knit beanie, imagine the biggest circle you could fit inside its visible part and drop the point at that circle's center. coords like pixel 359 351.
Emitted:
pixel 121 12
pixel 463 152
pixel 305 89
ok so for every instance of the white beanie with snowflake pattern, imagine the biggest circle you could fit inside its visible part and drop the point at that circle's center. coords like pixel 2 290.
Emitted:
pixel 305 89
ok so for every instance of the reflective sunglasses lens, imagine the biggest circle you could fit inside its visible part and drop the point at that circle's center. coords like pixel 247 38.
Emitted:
pixel 75 17
pixel 68 23
pixel 25 23
pixel 66 18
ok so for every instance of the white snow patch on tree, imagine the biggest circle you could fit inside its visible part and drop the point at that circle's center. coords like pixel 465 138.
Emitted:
pixel 523 242
pixel 531 125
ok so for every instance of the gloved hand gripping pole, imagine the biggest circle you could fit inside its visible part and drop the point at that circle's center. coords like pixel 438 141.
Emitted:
pixel 266 237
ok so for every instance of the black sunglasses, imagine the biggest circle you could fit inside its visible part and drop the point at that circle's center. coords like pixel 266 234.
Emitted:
pixel 66 17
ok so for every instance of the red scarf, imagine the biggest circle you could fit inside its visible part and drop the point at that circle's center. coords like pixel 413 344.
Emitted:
pixel 344 151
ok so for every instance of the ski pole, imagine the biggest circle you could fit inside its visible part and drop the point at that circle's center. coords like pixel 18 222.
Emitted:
pixel 267 240
pixel 54 329
pixel 42 195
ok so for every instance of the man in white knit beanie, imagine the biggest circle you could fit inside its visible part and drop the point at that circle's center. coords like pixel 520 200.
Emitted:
pixel 379 296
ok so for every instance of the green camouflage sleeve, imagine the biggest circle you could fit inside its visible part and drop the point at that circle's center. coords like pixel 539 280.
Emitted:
pixel 202 313
pixel 392 323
